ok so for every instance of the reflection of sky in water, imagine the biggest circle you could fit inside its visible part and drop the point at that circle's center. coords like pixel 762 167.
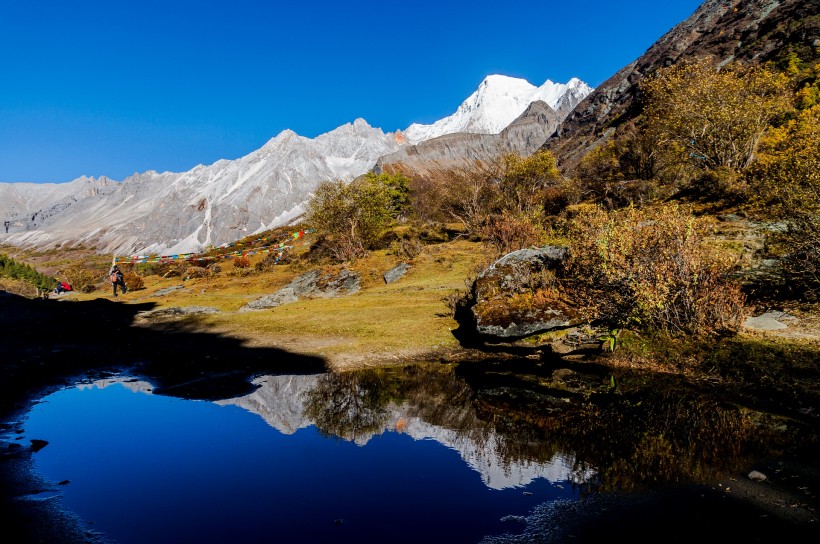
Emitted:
pixel 157 469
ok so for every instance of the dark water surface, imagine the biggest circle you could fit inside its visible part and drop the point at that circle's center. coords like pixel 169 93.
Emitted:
pixel 424 453
pixel 147 468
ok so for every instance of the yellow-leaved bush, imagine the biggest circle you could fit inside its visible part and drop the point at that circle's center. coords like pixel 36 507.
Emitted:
pixel 650 269
pixel 787 178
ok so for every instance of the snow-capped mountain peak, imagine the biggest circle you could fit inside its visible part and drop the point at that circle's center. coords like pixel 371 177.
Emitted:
pixel 497 102
pixel 167 212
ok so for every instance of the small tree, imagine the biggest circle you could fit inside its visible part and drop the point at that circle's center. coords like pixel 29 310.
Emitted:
pixel 353 214
pixel 82 278
pixel 714 116
pixel 397 186
pixel 787 177
pixel 524 180
pixel 470 194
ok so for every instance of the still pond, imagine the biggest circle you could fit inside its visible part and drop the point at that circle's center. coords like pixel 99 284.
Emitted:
pixel 421 453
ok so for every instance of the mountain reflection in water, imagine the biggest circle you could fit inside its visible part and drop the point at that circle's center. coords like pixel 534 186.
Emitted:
pixel 368 456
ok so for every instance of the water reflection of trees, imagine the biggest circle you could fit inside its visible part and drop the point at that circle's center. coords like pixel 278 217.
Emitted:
pixel 646 431
pixel 347 405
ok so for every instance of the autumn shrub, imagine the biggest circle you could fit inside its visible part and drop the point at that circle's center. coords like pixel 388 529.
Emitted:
pixel 241 261
pixel 556 198
pixel 720 183
pixel 165 268
pixel 469 195
pixel 133 280
pixel 397 187
pixel 197 272
pixel 506 233
pixel 272 259
pixel 406 247
pixel 649 269
pixel 321 250
pixel 523 182
pixel 150 269
pixel 787 179
pixel 81 278
pixel 434 232
pixel 426 197
pixel 354 215
pixel 801 263
pixel 713 116
pixel 18 287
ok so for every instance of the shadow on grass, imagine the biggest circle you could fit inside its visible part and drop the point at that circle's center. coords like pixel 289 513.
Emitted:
pixel 47 343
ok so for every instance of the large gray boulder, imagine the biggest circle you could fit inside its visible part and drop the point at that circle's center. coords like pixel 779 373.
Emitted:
pixel 517 296
pixel 313 284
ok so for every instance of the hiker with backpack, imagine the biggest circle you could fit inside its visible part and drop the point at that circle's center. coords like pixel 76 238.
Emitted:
pixel 116 278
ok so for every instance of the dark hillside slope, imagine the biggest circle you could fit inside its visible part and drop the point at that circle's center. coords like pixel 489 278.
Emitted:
pixel 750 31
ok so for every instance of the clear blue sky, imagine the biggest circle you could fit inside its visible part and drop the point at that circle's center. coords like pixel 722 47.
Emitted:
pixel 111 88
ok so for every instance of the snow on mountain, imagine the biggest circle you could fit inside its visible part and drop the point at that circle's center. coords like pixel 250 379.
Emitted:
pixel 208 205
pixel 169 212
pixel 497 102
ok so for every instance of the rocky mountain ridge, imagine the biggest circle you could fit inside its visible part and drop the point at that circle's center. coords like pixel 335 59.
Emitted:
pixel 748 31
pixel 499 101
pixel 431 158
pixel 170 213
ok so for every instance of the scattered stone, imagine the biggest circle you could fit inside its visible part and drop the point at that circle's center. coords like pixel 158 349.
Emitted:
pixel 345 283
pixel 757 476
pixel 64 482
pixel 396 273
pixel 284 295
pixel 168 290
pixel 177 311
pixel 517 519
pixel 769 321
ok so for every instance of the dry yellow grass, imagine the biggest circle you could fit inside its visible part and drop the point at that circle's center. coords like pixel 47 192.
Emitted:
pixel 381 322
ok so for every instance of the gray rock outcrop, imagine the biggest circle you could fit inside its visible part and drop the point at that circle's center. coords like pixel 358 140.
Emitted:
pixel 396 273
pixel 177 311
pixel 313 284
pixel 516 297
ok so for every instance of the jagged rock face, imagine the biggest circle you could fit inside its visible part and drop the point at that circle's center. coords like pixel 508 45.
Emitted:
pixel 505 307
pixel 751 31
pixel 529 132
pixel 523 136
pixel 25 206
pixel 497 102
